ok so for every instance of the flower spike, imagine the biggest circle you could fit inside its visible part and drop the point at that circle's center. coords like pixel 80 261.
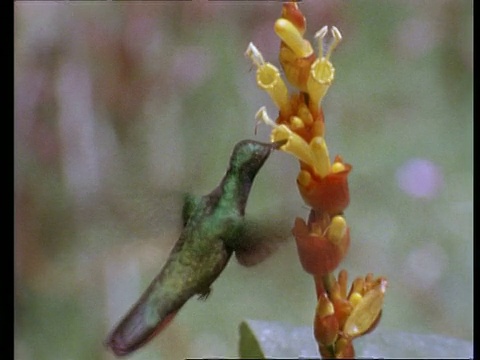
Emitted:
pixel 323 240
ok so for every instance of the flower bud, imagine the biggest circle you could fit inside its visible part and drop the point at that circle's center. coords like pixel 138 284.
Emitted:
pixel 325 325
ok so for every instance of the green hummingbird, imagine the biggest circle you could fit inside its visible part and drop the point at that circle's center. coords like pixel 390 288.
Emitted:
pixel 214 228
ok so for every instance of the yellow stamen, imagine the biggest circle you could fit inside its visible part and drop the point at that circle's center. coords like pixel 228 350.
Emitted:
pixel 296 123
pixel 337 167
pixel 358 285
pixel 305 114
pixel 324 307
pixel 304 178
pixel 355 298
pixel 337 229
pixel 320 156
pixel 290 35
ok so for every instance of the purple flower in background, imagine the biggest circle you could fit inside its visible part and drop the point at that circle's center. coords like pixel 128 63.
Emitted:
pixel 420 178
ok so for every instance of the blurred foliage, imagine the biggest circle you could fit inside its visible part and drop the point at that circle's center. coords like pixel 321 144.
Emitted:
pixel 120 107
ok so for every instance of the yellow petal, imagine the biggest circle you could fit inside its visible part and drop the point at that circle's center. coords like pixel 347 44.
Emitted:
pixel 324 307
pixel 355 298
pixel 290 35
pixel 304 178
pixel 320 156
pixel 295 144
pixel 337 229
pixel 366 312
pixel 319 80
pixel 268 79
pixel 337 167
pixel 305 114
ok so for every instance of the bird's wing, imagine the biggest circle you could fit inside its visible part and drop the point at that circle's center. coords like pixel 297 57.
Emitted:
pixel 261 239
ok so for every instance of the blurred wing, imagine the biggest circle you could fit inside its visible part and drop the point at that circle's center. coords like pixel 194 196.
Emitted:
pixel 261 239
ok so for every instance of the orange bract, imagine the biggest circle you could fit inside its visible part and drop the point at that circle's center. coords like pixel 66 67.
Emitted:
pixel 319 253
pixel 328 194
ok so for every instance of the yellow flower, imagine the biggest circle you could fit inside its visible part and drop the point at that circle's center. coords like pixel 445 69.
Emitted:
pixel 354 314
pixel 323 241
pixel 323 186
pixel 312 75
pixel 322 71
pixel 300 120
pixel 313 153
pixel 268 79
pixel 293 38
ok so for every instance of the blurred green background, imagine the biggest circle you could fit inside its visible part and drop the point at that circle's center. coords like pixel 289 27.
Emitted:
pixel 120 107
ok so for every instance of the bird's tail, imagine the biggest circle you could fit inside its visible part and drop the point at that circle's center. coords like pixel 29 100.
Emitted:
pixel 138 327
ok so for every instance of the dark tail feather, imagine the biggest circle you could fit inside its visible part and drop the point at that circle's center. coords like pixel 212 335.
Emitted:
pixel 133 332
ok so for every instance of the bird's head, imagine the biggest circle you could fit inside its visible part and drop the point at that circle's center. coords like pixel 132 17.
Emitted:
pixel 248 156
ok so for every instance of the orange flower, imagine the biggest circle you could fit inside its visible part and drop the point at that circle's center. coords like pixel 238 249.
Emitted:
pixel 350 316
pixel 329 193
pixel 322 244
pixel 323 186
pixel 309 73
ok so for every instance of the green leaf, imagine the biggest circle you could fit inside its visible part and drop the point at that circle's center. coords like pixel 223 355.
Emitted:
pixel 249 346
pixel 275 339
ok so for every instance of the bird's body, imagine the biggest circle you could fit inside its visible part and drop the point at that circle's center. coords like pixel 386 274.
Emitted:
pixel 214 228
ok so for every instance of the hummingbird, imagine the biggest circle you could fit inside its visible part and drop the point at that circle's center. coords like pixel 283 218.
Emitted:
pixel 214 228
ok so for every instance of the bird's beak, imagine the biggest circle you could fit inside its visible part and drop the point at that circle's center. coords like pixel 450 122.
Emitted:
pixel 278 144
